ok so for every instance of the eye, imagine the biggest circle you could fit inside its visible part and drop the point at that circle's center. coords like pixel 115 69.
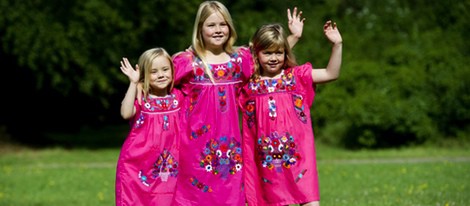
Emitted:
pixel 228 153
pixel 280 147
pixel 219 153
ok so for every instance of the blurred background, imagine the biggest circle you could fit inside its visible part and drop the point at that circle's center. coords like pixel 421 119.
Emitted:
pixel 404 80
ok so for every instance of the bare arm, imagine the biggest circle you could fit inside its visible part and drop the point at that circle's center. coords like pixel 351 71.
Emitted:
pixel 331 72
pixel 296 25
pixel 127 105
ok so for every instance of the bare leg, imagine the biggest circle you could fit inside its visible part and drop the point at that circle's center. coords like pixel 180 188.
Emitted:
pixel 316 203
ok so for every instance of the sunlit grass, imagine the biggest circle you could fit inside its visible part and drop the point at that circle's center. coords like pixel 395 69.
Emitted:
pixel 414 176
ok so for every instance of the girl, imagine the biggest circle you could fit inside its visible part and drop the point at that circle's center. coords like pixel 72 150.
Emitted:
pixel 280 163
pixel 210 74
pixel 148 163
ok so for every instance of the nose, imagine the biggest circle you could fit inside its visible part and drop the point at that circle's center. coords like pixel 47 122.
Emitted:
pixel 218 29
pixel 272 57
pixel 160 74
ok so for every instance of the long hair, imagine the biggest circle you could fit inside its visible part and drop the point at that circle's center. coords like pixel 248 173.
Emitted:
pixel 145 65
pixel 271 36
pixel 206 9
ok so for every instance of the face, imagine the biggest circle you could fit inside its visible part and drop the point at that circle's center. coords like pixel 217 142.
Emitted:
pixel 271 61
pixel 161 76
pixel 215 31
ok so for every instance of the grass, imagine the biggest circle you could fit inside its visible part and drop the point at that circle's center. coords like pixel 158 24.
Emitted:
pixel 410 176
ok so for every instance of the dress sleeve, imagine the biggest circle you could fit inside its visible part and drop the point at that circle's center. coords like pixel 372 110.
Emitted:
pixel 303 74
pixel 247 62
pixel 183 67
pixel 138 108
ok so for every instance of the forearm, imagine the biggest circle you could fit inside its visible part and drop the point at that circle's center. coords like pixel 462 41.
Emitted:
pixel 334 64
pixel 292 39
pixel 127 105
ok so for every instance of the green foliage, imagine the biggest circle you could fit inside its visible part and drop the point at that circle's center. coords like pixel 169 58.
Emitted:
pixel 404 78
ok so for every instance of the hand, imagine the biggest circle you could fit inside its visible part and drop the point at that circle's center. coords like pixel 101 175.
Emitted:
pixel 127 69
pixel 332 32
pixel 296 22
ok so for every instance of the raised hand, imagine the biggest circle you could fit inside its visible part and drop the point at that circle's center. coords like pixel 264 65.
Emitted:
pixel 332 33
pixel 129 71
pixel 295 22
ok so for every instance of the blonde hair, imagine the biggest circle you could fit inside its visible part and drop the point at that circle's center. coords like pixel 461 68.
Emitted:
pixel 145 65
pixel 271 36
pixel 206 9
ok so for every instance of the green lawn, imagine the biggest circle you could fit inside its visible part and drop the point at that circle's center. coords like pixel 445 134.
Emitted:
pixel 414 176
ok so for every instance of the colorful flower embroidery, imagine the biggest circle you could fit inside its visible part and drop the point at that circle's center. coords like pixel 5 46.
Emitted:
pixel 299 107
pixel 165 166
pixel 166 124
pixel 204 129
pixel 220 72
pixel 250 112
pixel 277 151
pixel 222 99
pixel 193 98
pixel 201 186
pixel 272 108
pixel 139 121
pixel 261 86
pixel 301 175
pixel 222 156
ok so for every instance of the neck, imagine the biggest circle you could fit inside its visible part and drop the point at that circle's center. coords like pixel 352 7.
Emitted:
pixel 217 56
pixel 162 93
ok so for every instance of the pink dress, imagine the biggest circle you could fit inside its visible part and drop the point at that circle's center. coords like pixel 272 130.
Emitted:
pixel 280 163
pixel 149 160
pixel 211 150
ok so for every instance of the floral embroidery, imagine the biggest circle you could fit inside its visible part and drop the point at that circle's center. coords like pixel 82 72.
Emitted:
pixel 156 104
pixel 272 108
pixel 193 98
pixel 222 156
pixel 166 124
pixel 201 186
pixel 222 99
pixel 299 107
pixel 250 112
pixel 204 129
pixel 139 121
pixel 165 166
pixel 261 86
pixel 220 72
pixel 277 151
pixel 301 174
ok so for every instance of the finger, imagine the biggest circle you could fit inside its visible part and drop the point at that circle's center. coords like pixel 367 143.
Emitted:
pixel 128 64
pixel 300 14
pixel 289 17
pixel 295 12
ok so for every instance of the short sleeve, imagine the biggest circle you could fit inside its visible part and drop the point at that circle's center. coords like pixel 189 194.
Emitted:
pixel 179 96
pixel 247 62
pixel 183 67
pixel 303 75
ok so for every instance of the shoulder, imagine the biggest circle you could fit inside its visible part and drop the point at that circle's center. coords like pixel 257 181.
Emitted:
pixel 183 55
pixel 242 50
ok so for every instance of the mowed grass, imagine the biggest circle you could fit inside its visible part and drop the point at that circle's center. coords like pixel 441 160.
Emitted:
pixel 412 176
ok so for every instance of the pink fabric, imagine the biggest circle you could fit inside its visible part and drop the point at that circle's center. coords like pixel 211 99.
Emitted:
pixel 149 160
pixel 211 149
pixel 280 162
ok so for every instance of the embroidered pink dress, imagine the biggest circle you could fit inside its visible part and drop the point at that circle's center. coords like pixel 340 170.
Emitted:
pixel 211 151
pixel 280 162
pixel 148 164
